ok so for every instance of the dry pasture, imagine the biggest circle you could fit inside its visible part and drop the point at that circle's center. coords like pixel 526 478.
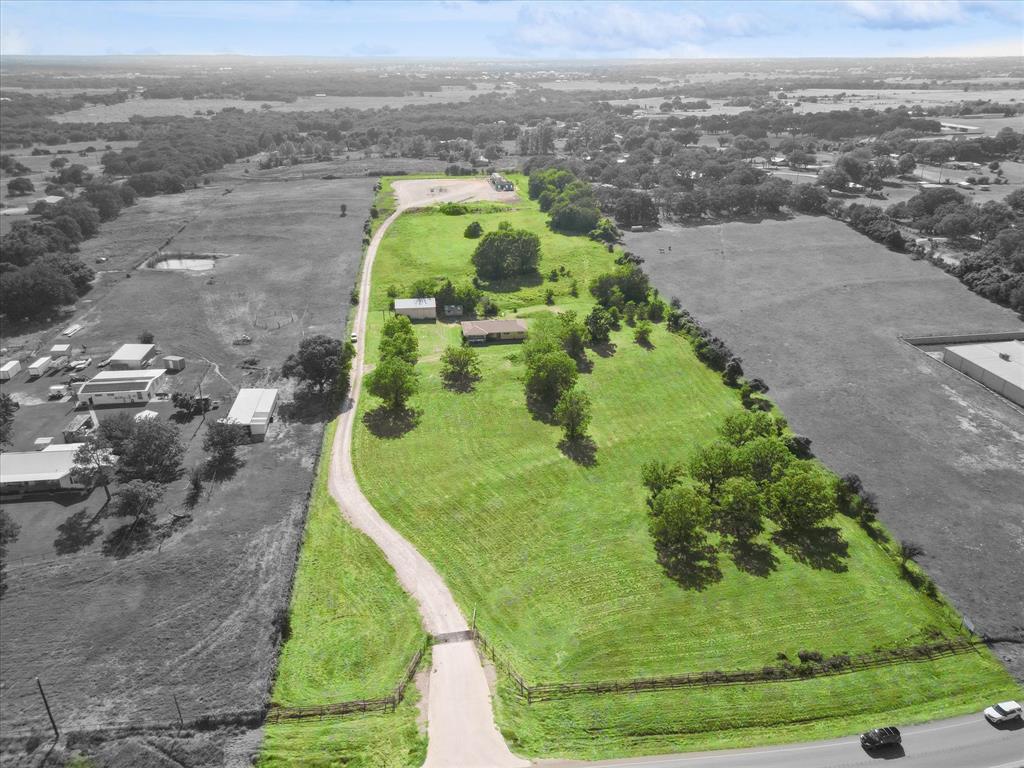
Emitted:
pixel 115 635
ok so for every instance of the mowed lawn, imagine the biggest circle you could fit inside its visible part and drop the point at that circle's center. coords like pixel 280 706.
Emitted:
pixel 353 632
pixel 555 558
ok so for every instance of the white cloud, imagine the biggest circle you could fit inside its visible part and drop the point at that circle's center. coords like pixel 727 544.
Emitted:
pixel 927 14
pixel 13 43
pixel 603 29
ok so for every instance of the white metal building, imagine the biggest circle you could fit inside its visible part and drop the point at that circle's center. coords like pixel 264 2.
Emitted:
pixel 41 471
pixel 132 357
pixel 9 370
pixel 254 409
pixel 999 365
pixel 416 309
pixel 120 387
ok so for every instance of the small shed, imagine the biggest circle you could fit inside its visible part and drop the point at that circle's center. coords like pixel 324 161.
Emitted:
pixel 453 310
pixel 132 357
pixel 9 370
pixel 174 363
pixel 254 409
pixel 60 349
pixel 80 426
pixel 417 309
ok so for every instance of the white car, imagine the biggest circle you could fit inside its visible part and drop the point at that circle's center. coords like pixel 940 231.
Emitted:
pixel 353 337
pixel 1003 711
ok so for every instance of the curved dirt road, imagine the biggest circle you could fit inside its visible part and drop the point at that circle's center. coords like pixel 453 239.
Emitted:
pixel 460 720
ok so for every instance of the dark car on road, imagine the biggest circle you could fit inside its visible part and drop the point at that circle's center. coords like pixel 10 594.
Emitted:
pixel 880 737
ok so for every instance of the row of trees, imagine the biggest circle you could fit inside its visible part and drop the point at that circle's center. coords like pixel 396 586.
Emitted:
pixel 733 491
pixel 394 379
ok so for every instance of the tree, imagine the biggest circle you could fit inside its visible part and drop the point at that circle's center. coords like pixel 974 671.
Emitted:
pixel 136 499
pixel 474 230
pixel 548 376
pixel 146 337
pixel 802 498
pixel 94 464
pixel 741 427
pixel 713 465
pixel 906 163
pixel 574 335
pixel 344 210
pixel 764 458
pixel 154 453
pixel 599 325
pixel 506 253
pixel 20 186
pixel 678 524
pixel 399 340
pixel 7 408
pixel 394 381
pixel 460 367
pixel 657 476
pixel 807 198
pixel 318 362
pixel 909 551
pixel 738 512
pixel 642 333
pixel 573 413
pixel 220 443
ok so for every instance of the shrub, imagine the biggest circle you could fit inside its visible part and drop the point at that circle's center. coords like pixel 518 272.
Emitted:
pixel 474 230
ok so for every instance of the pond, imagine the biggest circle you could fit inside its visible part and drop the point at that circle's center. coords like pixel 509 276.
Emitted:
pixel 192 265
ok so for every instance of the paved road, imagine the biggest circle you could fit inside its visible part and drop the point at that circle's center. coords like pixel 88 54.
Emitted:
pixel 460 720
pixel 962 742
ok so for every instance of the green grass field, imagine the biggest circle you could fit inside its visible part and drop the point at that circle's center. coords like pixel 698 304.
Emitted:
pixel 353 631
pixel 556 561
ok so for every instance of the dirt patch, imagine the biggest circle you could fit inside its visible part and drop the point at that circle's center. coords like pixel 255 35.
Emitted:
pixel 413 192
pixel 817 311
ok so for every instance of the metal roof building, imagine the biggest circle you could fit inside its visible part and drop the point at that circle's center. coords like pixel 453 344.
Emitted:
pixel 417 309
pixel 121 387
pixel 254 408
pixel 132 356
pixel 999 365
pixel 41 471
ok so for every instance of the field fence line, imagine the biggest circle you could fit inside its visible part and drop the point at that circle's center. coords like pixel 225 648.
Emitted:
pixel 386 704
pixel 820 667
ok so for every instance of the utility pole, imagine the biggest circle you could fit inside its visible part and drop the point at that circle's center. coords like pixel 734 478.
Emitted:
pixel 56 733
pixel 181 721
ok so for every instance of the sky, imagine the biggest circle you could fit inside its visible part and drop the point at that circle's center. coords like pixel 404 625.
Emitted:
pixel 515 29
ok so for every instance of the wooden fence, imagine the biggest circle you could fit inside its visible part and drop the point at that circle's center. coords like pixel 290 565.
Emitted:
pixel 387 704
pixel 835 665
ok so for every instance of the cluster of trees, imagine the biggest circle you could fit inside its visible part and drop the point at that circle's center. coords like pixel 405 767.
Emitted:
pixel 872 221
pixel 997 270
pixel 442 289
pixel 39 270
pixel 568 200
pixel 731 493
pixel 946 212
pixel 506 253
pixel 554 348
pixel 394 379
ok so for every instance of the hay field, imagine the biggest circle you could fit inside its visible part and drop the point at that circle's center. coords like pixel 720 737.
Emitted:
pixel 817 310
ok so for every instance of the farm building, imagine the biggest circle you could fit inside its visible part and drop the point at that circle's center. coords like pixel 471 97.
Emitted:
pixel 502 184
pixel 254 409
pixel 482 331
pixel 132 357
pixel 41 471
pixel 120 387
pixel 998 365
pixel 174 363
pixel 416 309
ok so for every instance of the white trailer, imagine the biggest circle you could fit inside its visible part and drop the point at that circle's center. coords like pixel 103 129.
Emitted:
pixel 40 366
pixel 9 370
